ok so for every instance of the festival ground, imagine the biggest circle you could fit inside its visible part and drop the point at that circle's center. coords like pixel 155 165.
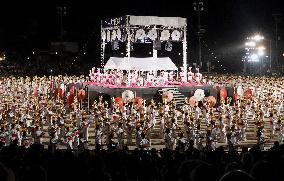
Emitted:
pixel 157 141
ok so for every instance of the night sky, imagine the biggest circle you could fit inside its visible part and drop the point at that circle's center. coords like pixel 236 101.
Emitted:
pixel 32 26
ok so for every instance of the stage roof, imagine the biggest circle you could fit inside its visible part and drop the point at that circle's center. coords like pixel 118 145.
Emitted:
pixel 130 20
pixel 144 64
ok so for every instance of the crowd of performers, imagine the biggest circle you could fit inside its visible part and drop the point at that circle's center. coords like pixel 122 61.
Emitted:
pixel 133 78
pixel 39 108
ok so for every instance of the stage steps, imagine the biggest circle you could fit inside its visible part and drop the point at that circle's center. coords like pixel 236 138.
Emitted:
pixel 178 97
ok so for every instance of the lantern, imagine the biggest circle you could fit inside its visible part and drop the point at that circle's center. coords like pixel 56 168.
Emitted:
pixel 223 93
pixel 82 94
pixel 211 101
pixel 168 96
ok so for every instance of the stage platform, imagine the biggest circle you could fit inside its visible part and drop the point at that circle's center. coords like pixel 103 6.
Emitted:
pixel 144 92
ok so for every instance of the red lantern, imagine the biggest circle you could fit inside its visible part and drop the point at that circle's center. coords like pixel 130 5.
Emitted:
pixel 223 93
pixel 168 96
pixel 248 94
pixel 211 101
pixel 138 101
pixel 119 102
pixel 82 94
pixel 70 99
pixel 192 101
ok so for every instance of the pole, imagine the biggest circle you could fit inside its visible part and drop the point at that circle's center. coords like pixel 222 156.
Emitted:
pixel 198 7
pixel 184 50
pixel 199 39
pixel 88 92
pixel 270 55
pixel 276 21
pixel 276 41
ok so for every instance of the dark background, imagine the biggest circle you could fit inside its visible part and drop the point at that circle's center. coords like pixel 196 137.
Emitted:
pixel 29 26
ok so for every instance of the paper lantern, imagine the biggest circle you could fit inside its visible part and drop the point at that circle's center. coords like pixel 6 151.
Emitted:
pixel 165 35
pixel 199 94
pixel 152 34
pixel 175 35
pixel 211 101
pixel 119 102
pixel 248 94
pixel 138 101
pixel 127 96
pixel 192 101
pixel 223 93
pixel 82 94
pixel 140 34
pixel 167 96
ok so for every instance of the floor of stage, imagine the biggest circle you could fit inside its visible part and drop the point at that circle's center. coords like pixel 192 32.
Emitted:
pixel 173 84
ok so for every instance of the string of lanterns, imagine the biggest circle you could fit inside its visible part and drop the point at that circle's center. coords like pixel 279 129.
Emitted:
pixel 141 34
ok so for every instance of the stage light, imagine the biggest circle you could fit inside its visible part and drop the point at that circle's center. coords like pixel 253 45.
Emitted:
pixel 260 53
pixel 254 58
pixel 56 53
pixel 28 58
pixel 261 50
pixel 33 53
pixel 250 44
pixel 257 38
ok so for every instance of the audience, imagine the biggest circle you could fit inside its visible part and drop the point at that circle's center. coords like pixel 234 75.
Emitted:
pixel 36 163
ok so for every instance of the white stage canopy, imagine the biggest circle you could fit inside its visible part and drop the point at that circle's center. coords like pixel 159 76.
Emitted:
pixel 144 29
pixel 143 64
pixel 147 21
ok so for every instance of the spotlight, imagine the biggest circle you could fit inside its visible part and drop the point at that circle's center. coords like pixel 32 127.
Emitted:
pixel 257 38
pixel 250 44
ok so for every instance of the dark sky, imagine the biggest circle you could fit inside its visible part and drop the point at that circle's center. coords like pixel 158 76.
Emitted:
pixel 25 26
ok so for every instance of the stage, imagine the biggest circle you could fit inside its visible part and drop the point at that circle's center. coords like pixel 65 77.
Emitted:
pixel 94 90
